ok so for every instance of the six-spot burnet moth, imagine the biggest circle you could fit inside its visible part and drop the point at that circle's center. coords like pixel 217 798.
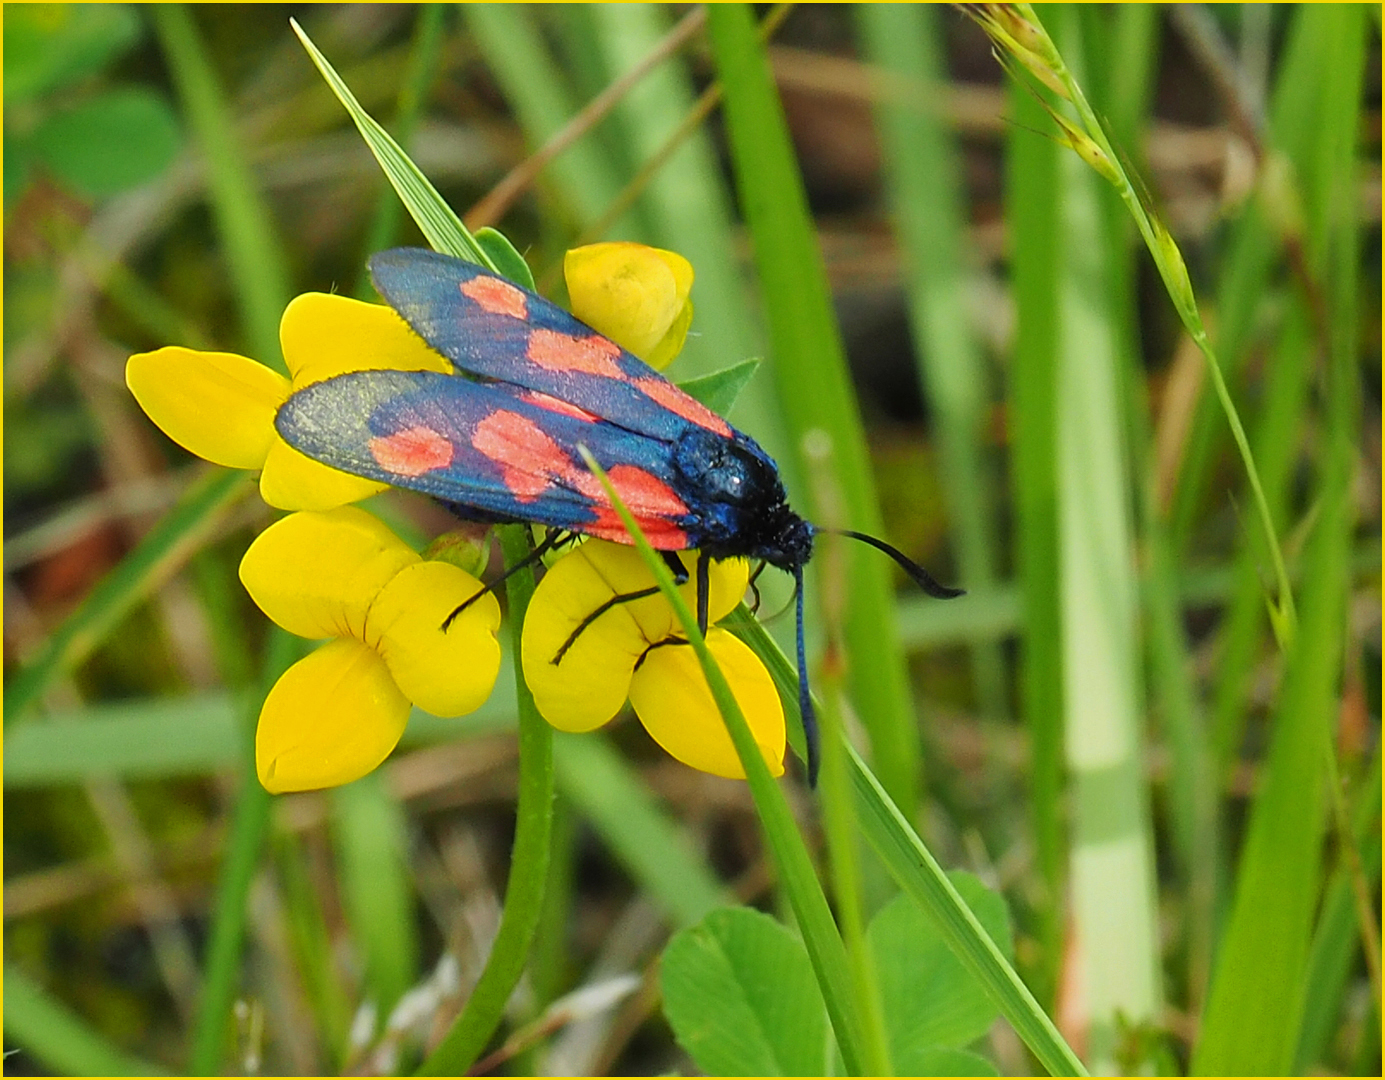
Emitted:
pixel 497 440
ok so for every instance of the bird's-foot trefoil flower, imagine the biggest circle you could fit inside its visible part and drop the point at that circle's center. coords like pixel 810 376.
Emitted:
pixel 581 669
pixel 221 406
pixel 342 574
pixel 633 294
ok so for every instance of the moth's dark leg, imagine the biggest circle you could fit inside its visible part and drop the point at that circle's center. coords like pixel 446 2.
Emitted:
pixel 615 601
pixel 704 563
pixel 670 640
pixel 755 589
pixel 675 567
pixel 805 697
pixel 554 538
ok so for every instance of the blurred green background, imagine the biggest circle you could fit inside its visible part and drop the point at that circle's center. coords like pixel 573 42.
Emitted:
pixel 1106 730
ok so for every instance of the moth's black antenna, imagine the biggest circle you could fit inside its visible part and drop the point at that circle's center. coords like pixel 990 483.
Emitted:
pixel 805 699
pixel 922 577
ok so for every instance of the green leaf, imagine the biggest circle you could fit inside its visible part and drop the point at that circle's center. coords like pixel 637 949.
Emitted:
pixel 440 225
pixel 52 45
pixel 740 995
pixel 719 390
pixel 930 999
pixel 508 262
pixel 111 142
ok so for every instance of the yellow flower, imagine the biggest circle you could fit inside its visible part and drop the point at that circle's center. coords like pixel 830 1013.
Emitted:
pixel 342 574
pixel 636 295
pixel 635 650
pixel 221 406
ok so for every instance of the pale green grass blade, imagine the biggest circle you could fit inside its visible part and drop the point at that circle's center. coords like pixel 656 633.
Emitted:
pixel 1032 212
pixel 923 183
pixel 599 785
pixel 516 54
pixel 370 839
pixel 917 872
pixel 441 227
pixel 53 1035
pixel 1111 859
pixel 814 386
pixel 157 556
pixel 1253 1015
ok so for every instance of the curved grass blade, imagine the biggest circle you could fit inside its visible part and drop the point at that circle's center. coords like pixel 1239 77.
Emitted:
pixel 916 871
pixel 796 874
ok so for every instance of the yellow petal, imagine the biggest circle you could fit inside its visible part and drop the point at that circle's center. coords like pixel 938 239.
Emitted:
pixel 671 697
pixel 218 405
pixel 324 334
pixel 294 481
pixel 316 574
pixel 589 685
pixel 668 349
pixel 330 719
pixel 447 673
pixel 632 293
pixel 623 570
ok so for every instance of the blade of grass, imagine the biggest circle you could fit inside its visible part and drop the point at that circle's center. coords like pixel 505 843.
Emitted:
pixel 259 268
pixel 370 839
pixel 926 203
pixel 1032 212
pixel 249 827
pixel 519 921
pixel 1255 246
pixel 1091 143
pixel 689 210
pixel 1255 1009
pixel 528 76
pixel 1337 938
pixel 418 76
pixel 796 874
pixel 912 865
pixel 53 1035
pixel 499 199
pixel 441 227
pixel 155 558
pixel 599 785
pixel 810 370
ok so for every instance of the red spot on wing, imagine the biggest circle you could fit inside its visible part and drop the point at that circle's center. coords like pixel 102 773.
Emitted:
pixel 662 535
pixel 528 458
pixel 591 355
pixel 689 408
pixel 558 405
pixel 412 452
pixel 496 296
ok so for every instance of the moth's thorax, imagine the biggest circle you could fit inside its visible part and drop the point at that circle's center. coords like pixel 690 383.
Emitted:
pixel 741 503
